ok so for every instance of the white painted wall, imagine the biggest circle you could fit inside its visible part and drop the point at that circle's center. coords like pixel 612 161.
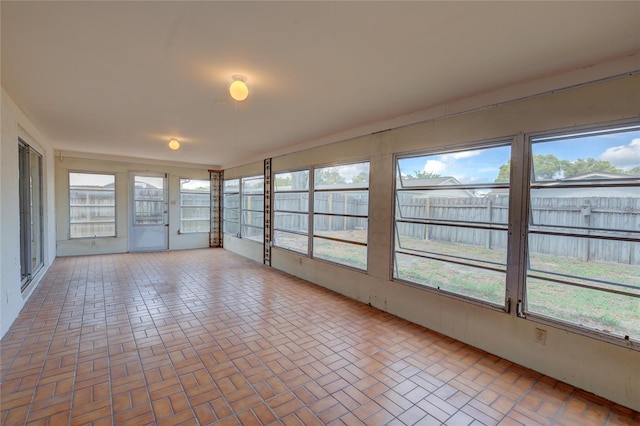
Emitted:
pixel 15 124
pixel 605 369
pixel 120 166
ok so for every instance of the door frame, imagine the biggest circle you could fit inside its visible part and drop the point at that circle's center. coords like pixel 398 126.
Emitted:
pixel 148 232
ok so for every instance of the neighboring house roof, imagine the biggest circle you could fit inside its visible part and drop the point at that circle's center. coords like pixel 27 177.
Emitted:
pixel 597 175
pixel 445 181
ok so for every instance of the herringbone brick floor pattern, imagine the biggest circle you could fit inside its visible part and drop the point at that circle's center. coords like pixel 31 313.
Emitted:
pixel 208 337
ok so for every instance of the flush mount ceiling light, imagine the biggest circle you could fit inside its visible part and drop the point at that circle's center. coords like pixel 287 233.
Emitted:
pixel 174 144
pixel 238 89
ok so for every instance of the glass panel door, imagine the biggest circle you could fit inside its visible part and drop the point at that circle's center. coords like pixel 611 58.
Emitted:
pixel 149 226
pixel 30 198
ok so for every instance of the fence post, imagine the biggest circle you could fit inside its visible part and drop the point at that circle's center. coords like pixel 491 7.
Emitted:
pixel 330 210
pixel 344 221
pixel 489 218
pixel 427 213
pixel 586 214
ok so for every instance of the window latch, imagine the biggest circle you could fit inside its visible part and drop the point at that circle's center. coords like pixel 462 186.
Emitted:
pixel 519 309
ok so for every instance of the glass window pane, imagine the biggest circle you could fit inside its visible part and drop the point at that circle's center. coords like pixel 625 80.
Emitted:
pixel 342 177
pixel 476 283
pixel 232 185
pixel 251 218
pixel 595 156
pixel 470 190
pixel 253 185
pixel 585 209
pixel 231 201
pixel 292 201
pixel 470 167
pixel 453 204
pixel 343 202
pixel 614 314
pixel 92 201
pixel 253 233
pixel 149 212
pixel 195 205
pixel 600 263
pixel 292 222
pixel 195 185
pixel 479 247
pixel 148 206
pixel 341 227
pixel 291 181
pixel 252 202
pixel 289 241
pixel 231 214
pixel 231 227
pixel 344 253
pixel 584 236
pixel 189 199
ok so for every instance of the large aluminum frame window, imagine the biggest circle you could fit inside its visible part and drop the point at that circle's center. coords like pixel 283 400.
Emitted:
pixel 92 205
pixel 583 251
pixel 451 221
pixel 341 214
pixel 252 208
pixel 291 211
pixel 195 205
pixel 231 207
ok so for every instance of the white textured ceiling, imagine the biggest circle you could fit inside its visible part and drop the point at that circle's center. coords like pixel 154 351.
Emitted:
pixel 121 78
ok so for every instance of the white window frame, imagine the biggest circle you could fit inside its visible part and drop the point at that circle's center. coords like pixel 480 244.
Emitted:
pixel 247 211
pixel 226 193
pixel 112 206
pixel 477 225
pixel 314 212
pixel 608 235
pixel 278 230
pixel 184 208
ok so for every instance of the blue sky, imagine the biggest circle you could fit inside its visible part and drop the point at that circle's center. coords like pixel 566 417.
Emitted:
pixel 482 166
pixel 475 166
pixel 620 149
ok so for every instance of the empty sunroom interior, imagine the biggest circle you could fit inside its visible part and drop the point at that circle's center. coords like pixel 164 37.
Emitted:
pixel 472 167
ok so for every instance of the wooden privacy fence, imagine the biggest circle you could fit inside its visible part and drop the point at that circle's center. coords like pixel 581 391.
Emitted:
pixel 604 214
pixel 338 205
pixel 615 216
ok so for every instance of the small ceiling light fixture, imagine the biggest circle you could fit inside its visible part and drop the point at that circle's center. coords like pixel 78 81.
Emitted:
pixel 238 89
pixel 174 144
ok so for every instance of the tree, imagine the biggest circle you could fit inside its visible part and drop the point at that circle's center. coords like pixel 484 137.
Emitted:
pixel 546 167
pixel 581 166
pixel 362 177
pixel 283 181
pixel 634 171
pixel 503 173
pixel 328 176
pixel 421 174
pixel 549 167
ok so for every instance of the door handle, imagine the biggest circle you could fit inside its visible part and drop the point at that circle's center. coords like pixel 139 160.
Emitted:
pixel 166 224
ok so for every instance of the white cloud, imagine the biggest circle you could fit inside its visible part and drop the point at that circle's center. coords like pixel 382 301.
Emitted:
pixel 449 158
pixel 623 156
pixel 434 166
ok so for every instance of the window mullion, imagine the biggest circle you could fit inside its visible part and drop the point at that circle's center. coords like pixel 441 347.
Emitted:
pixel 310 226
pixel 518 220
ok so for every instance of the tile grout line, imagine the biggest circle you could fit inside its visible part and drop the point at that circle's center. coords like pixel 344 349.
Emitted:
pixel 75 373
